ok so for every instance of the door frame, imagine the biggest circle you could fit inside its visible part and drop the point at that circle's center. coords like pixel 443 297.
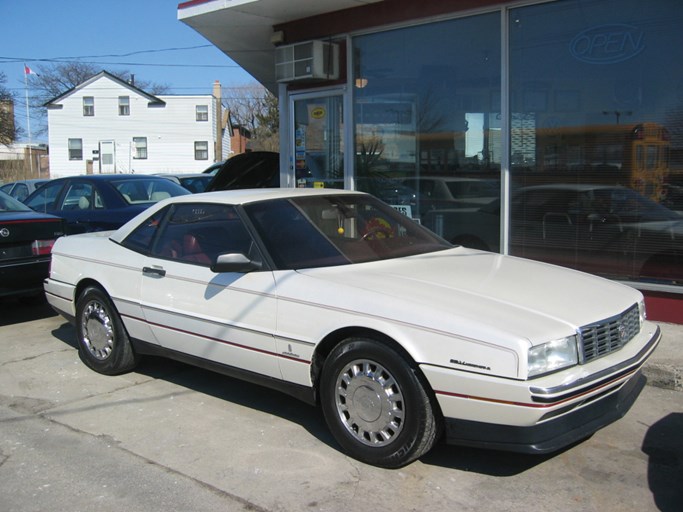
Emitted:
pixel 287 142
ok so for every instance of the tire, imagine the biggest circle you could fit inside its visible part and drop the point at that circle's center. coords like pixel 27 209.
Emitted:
pixel 375 404
pixel 103 342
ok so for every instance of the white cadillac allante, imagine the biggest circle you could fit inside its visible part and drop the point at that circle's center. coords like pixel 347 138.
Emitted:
pixel 337 299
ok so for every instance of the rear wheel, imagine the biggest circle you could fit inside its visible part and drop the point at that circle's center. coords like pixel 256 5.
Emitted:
pixel 102 339
pixel 375 404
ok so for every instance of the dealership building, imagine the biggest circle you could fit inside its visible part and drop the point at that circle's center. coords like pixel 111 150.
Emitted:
pixel 550 130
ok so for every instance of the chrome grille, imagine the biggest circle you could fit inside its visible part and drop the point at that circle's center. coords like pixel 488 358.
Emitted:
pixel 602 338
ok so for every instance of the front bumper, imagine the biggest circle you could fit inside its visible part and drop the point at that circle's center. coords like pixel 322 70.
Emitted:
pixel 548 436
pixel 545 414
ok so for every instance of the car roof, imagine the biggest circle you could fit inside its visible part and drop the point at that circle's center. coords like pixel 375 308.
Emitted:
pixel 111 177
pixel 235 197
pixel 250 195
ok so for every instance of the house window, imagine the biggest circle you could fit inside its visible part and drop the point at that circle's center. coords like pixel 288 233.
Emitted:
pixel 75 149
pixel 140 148
pixel 201 150
pixel 124 105
pixel 88 106
pixel 202 112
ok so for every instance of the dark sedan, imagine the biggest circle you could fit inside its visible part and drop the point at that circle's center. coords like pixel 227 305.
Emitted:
pixel 101 202
pixel 26 239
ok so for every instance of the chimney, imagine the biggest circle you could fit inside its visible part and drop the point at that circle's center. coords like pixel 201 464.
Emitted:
pixel 219 120
pixel 132 80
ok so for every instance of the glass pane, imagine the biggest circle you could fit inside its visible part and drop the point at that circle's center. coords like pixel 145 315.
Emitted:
pixel 428 124
pixel 595 123
pixel 319 142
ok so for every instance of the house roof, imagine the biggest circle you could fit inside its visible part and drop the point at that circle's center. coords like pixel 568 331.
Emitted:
pixel 242 29
pixel 102 74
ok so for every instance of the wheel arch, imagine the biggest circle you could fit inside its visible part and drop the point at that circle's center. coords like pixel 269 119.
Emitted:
pixel 84 284
pixel 327 344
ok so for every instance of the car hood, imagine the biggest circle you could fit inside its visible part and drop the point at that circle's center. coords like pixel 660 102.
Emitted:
pixel 475 293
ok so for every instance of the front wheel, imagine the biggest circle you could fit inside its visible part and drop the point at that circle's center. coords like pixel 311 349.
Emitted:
pixel 375 404
pixel 103 343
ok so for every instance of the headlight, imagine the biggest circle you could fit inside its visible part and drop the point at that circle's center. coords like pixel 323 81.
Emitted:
pixel 552 356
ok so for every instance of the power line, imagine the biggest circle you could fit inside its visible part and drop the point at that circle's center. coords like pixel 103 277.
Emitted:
pixel 12 60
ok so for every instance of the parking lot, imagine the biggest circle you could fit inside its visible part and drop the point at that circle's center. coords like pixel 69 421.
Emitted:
pixel 173 437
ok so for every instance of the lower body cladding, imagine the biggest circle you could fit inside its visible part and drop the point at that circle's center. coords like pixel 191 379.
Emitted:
pixel 549 418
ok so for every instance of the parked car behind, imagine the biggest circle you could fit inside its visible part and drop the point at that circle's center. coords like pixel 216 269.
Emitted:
pixel 195 183
pixel 255 169
pixel 101 202
pixel 26 238
pixel 340 300
pixel 23 188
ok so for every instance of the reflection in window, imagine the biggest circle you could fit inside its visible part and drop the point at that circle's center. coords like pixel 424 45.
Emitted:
pixel 592 130
pixel 427 118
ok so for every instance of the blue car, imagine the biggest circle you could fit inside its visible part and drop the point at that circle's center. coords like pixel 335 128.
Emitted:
pixel 101 202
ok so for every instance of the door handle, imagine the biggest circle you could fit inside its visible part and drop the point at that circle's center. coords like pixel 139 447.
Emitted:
pixel 154 270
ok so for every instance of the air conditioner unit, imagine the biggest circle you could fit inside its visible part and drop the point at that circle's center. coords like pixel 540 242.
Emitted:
pixel 312 60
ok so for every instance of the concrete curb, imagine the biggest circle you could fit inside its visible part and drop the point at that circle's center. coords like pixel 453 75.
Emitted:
pixel 664 369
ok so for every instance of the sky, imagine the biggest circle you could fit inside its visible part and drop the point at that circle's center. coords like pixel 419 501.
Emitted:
pixel 143 36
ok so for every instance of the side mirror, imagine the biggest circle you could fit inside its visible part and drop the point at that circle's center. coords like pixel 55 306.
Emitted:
pixel 235 262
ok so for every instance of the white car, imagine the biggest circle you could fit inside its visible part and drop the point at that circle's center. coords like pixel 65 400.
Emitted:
pixel 339 300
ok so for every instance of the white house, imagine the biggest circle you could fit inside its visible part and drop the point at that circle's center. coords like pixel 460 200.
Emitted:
pixel 106 125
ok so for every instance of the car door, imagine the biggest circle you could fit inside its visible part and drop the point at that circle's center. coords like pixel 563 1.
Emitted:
pixel 228 318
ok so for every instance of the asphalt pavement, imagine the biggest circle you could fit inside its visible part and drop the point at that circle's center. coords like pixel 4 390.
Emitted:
pixel 175 438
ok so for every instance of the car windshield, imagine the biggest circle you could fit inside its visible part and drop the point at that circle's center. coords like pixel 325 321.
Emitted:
pixel 9 204
pixel 307 232
pixel 149 190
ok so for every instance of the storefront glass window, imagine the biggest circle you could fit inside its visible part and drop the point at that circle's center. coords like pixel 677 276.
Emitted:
pixel 427 120
pixel 597 137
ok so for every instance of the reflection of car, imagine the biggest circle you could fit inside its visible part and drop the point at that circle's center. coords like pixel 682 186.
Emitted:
pixel 261 169
pixel 195 183
pixel 101 201
pixel 610 230
pixel 26 239
pixel 454 191
pixel 338 299
pixel 23 188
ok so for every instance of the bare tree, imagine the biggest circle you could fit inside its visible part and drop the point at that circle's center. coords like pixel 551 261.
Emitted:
pixel 8 130
pixel 255 109
pixel 51 81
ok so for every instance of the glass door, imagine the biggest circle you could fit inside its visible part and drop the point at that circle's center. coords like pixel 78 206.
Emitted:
pixel 318 140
